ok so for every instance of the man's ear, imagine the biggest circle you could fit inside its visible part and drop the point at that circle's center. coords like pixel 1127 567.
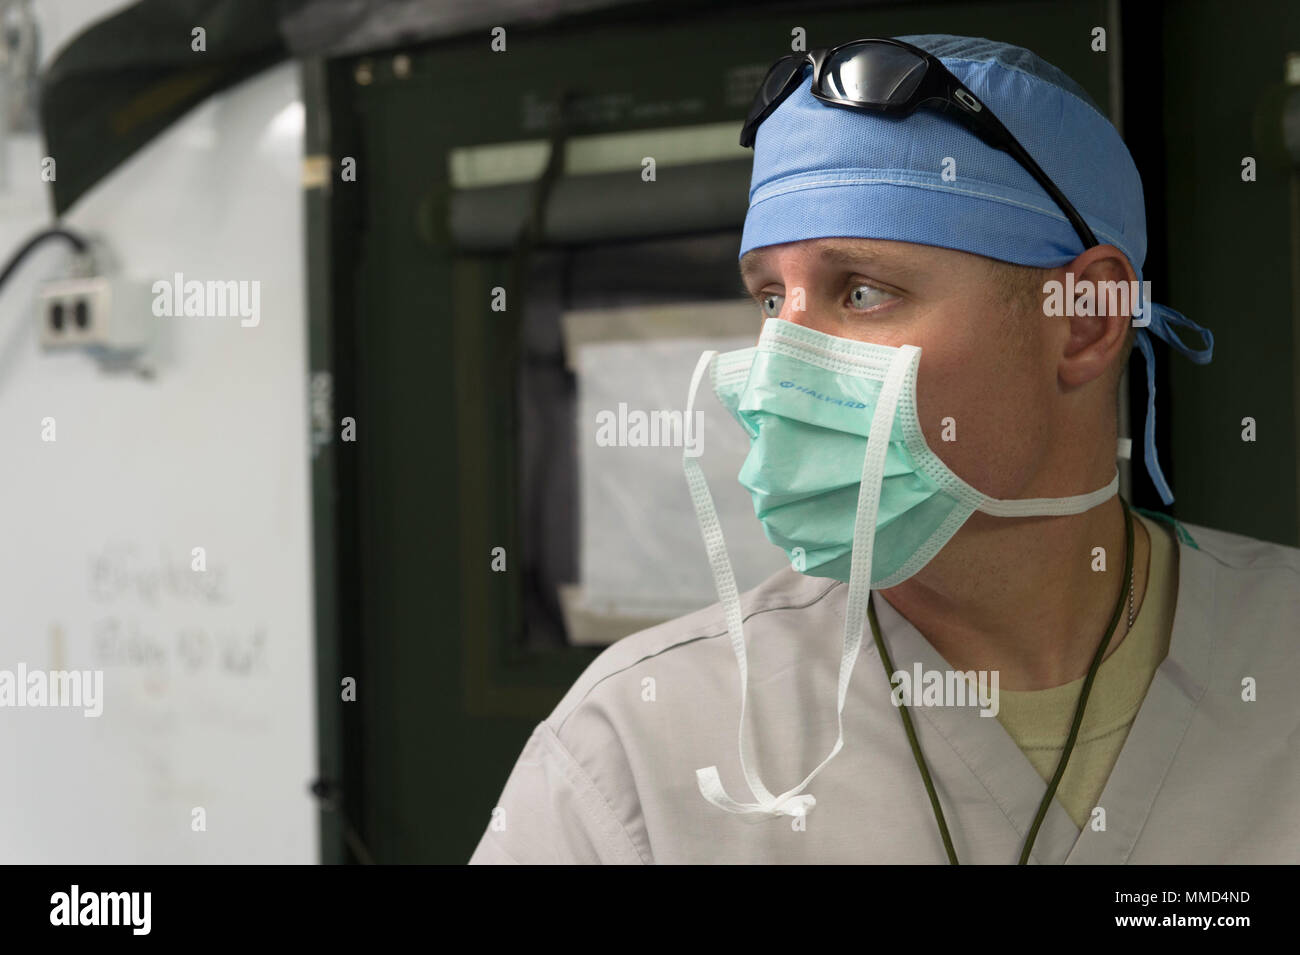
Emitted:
pixel 1097 315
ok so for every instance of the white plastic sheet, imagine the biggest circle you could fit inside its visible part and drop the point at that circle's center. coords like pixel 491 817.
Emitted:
pixel 642 555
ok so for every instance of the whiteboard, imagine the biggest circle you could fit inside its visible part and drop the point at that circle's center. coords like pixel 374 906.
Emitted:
pixel 208 676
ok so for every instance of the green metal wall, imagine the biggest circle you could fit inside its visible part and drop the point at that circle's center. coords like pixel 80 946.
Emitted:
pixel 1230 252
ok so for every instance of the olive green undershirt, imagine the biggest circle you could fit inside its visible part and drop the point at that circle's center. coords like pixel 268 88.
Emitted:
pixel 1039 720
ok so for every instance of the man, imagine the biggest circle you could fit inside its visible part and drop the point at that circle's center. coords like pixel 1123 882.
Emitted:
pixel 934 424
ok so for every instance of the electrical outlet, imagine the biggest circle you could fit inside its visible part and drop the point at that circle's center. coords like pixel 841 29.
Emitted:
pixel 108 317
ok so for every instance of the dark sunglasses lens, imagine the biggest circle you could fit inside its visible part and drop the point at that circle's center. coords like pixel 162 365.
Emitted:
pixel 778 76
pixel 877 73
pixel 773 86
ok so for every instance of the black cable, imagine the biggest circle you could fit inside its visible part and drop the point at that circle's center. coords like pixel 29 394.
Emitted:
pixel 330 795
pixel 55 232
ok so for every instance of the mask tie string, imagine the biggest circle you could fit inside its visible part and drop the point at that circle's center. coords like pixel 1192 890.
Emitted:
pixel 794 802
pixel 1049 506
pixel 724 580
pixel 1160 323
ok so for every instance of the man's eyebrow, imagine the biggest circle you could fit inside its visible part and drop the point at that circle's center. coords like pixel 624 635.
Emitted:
pixel 752 262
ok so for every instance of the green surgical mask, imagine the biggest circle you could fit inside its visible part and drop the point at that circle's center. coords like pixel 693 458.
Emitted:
pixel 842 480
pixel 807 401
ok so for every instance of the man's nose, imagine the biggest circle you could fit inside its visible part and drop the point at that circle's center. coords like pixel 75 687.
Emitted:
pixel 803 307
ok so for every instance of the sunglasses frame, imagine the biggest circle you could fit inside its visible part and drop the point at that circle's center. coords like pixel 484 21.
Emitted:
pixel 938 89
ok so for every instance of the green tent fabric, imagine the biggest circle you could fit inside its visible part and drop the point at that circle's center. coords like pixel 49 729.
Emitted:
pixel 129 77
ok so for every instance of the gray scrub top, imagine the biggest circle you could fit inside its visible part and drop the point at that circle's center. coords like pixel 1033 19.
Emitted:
pixel 1204 775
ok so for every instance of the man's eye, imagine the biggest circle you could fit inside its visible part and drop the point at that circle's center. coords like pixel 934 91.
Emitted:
pixel 868 296
pixel 770 303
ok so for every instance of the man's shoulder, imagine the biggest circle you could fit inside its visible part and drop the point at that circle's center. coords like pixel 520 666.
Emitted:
pixel 1246 593
pixel 1241 553
pixel 694 645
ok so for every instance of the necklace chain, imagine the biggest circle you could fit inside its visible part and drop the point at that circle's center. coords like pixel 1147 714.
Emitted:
pixel 1130 596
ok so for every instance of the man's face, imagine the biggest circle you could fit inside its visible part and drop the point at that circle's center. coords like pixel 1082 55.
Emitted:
pixel 986 361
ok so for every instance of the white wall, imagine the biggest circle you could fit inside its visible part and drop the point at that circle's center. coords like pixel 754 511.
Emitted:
pixel 208 679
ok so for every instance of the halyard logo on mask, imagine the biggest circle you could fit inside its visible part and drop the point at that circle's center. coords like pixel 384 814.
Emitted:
pixel 813 393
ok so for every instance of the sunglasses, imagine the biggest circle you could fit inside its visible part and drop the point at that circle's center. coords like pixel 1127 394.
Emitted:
pixel 893 78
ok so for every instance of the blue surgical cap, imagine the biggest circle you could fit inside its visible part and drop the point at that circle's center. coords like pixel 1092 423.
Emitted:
pixel 822 171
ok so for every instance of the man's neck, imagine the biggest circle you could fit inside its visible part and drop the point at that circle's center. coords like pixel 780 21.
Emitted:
pixel 1020 595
